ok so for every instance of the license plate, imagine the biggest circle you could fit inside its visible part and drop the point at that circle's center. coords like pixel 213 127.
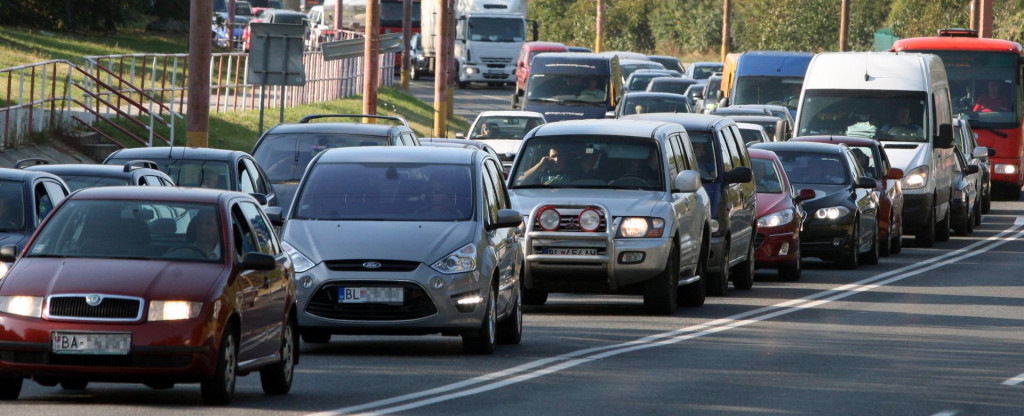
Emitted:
pixel 571 251
pixel 90 343
pixel 370 295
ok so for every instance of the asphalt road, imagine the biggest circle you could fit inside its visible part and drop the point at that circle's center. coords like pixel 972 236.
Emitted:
pixel 470 101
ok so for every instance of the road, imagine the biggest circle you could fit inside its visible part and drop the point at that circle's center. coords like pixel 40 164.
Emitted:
pixel 469 101
pixel 927 332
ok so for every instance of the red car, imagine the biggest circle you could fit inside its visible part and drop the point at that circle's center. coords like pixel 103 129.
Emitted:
pixel 779 216
pixel 875 164
pixel 150 285
pixel 526 54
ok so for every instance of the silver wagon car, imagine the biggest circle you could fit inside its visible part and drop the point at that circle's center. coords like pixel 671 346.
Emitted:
pixel 615 206
pixel 405 241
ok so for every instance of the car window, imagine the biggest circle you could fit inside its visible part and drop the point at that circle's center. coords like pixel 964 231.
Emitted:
pixel 245 242
pixel 491 202
pixel 740 158
pixel 262 231
pixel 12 206
pixel 43 203
pixel 494 172
pixel 587 161
pixel 766 176
pixel 862 155
pixel 725 149
pixel 814 168
pixel 671 154
pixel 191 172
pixel 257 177
pixel 245 183
pixel 284 157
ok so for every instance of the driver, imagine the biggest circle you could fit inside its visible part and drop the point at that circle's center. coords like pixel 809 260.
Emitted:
pixel 488 131
pixel 903 126
pixel 204 235
pixel 992 100
pixel 556 169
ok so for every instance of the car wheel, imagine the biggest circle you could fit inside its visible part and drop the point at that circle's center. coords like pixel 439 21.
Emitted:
pixel 277 378
pixel 925 237
pixel 986 201
pixel 660 292
pixel 885 244
pixel 220 388
pixel 896 246
pixel 977 215
pixel 74 384
pixel 849 260
pixel 871 257
pixel 695 293
pixel 792 272
pixel 316 337
pixel 10 387
pixel 415 73
pixel 719 282
pixel 534 297
pixel 483 340
pixel 515 100
pixel 510 331
pixel 942 229
pixel 743 277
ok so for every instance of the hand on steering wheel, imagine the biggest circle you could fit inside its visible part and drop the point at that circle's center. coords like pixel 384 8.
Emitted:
pixel 630 178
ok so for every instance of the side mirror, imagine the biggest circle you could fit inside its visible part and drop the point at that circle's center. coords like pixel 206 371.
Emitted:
pixel 991 152
pixel 609 114
pixel 980 152
pixel 972 169
pixel 806 194
pixel 895 174
pixel 687 181
pixel 865 182
pixel 274 215
pixel 742 174
pixel 460 135
pixel 258 261
pixel 944 140
pixel 507 218
pixel 9 253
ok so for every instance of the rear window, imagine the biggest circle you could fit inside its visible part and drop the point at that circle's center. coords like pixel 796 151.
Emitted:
pixel 198 173
pixel 284 157
pixel 76 182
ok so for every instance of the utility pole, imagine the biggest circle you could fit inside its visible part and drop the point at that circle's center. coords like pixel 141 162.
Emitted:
pixel 231 25
pixel 441 69
pixel 371 58
pixel 197 118
pixel 337 17
pixel 406 35
pixel 599 42
pixel 844 26
pixel 725 27
pixel 453 67
pixel 975 6
pixel 985 19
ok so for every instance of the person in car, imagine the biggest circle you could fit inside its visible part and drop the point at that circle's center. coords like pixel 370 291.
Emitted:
pixel 204 234
pixel 992 100
pixel 558 168
pixel 489 131
pixel 903 126
pixel 592 90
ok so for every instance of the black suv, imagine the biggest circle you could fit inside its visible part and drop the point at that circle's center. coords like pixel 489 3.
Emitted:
pixel 87 175
pixel 728 180
pixel 285 150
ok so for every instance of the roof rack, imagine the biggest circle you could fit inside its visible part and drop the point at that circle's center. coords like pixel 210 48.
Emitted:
pixel 33 161
pixel 140 164
pixel 310 117
pixel 958 32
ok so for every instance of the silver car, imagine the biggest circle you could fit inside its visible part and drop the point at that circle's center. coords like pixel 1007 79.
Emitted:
pixel 406 241
pixel 615 206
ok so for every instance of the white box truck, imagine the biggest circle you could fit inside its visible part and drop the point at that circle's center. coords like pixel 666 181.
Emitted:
pixel 901 100
pixel 488 36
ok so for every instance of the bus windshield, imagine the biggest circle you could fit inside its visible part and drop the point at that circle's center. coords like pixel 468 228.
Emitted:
pixel 982 86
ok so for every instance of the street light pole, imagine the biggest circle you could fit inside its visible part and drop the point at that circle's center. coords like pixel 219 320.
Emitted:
pixel 441 69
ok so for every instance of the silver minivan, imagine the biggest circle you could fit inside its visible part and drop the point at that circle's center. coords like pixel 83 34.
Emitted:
pixel 406 241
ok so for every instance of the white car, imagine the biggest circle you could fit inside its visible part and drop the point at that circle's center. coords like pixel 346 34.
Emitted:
pixel 504 131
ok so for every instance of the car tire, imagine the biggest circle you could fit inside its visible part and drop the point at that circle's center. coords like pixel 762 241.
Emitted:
pixel 850 258
pixel 219 389
pixel 872 255
pixel 961 228
pixel 534 297
pixel 510 330
pixel 743 276
pixel 415 73
pixel 10 387
pixel 792 272
pixel 316 337
pixel 719 282
pixel 694 294
pixel 986 201
pixel 515 100
pixel 277 378
pixel 483 340
pixel 925 237
pixel 885 244
pixel 977 215
pixel 942 229
pixel 74 384
pixel 660 293
pixel 896 244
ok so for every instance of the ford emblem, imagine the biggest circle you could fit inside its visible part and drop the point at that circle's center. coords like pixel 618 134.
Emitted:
pixel 371 265
pixel 93 300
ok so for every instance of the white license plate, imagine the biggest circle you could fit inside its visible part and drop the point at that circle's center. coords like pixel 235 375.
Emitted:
pixel 90 343
pixel 571 251
pixel 370 295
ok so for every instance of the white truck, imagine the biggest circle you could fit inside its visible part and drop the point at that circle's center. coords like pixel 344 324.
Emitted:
pixel 488 36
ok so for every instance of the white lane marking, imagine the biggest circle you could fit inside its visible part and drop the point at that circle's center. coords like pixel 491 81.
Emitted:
pixel 576 358
pixel 1014 381
pixel 947 413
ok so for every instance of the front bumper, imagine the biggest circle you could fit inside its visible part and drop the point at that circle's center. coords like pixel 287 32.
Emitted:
pixel 774 248
pixel 917 212
pixel 826 240
pixel 487 73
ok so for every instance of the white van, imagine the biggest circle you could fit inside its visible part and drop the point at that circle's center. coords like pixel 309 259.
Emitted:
pixel 901 100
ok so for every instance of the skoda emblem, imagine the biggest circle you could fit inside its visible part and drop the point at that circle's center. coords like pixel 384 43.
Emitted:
pixel 371 265
pixel 93 300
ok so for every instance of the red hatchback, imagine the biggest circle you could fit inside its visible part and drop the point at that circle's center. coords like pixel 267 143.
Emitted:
pixel 876 165
pixel 150 285
pixel 779 216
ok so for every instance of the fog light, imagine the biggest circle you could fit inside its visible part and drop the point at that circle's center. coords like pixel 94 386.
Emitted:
pixel 306 281
pixel 714 226
pixel 466 302
pixel 784 249
pixel 630 257
pixel 837 242
pixel 437 282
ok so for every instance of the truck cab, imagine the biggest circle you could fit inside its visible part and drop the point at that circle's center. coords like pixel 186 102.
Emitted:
pixel 488 36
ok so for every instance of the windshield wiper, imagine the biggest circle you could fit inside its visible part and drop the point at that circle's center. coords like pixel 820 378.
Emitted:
pixel 546 100
pixel 536 186
pixel 995 132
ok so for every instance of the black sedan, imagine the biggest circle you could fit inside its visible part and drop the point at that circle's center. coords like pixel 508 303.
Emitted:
pixel 842 221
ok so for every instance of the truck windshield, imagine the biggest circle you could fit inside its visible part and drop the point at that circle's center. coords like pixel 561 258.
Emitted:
pixel 875 114
pixel 568 88
pixel 606 162
pixel 983 87
pixel 494 29
pixel 768 90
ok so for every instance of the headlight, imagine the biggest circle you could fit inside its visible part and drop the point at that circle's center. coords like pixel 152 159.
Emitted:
pixel 459 261
pixel 776 219
pixel 635 227
pixel 831 213
pixel 917 178
pixel 549 218
pixel 31 306
pixel 471 70
pixel 1005 169
pixel 300 262
pixel 173 310
pixel 589 220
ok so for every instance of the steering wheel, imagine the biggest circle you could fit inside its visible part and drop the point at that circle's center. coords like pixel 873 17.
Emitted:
pixel 190 250
pixel 902 131
pixel 630 179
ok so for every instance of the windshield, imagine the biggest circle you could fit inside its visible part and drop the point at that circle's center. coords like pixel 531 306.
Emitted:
pixel 704 151
pixel 641 105
pixel 493 29
pixel 669 63
pixel 639 81
pixel 982 86
pixel 284 156
pixel 391 15
pixel 752 136
pixel 629 69
pixel 566 88
pixel 147 230
pixel 669 85
pixel 613 162
pixel 213 174
pixel 76 182
pixel 12 206
pixel 813 168
pixel 875 114
pixel 766 176
pixel 387 192
pixel 503 127
pixel 711 89
pixel 705 71
pixel 768 90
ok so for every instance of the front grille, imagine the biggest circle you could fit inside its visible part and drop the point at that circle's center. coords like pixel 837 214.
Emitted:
pixel 109 308
pixel 366 266
pixel 124 361
pixel 496 76
pixel 416 304
pixel 499 66
pixel 494 60
pixel 572 223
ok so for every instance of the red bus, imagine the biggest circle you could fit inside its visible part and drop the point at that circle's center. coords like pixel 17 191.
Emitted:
pixel 985 86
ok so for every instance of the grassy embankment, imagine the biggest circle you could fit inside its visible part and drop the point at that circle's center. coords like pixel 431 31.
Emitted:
pixel 232 130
